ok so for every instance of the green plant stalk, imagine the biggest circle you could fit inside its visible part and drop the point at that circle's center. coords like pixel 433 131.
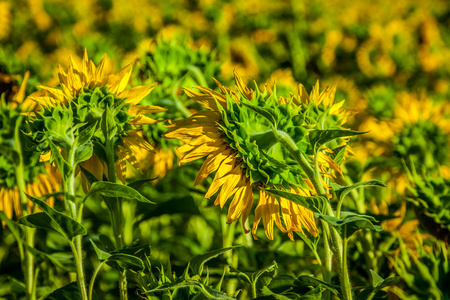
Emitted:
pixel 76 214
pixel 314 176
pixel 116 215
pixel 91 283
pixel 365 236
pixel 26 257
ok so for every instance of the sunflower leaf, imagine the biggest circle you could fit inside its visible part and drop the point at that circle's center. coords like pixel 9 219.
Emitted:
pixel 352 222
pixel 314 203
pixel 83 152
pixel 125 261
pixel 196 263
pixel 343 191
pixel 86 134
pixel 110 189
pixel 306 280
pixel 319 137
pixel 101 255
pixel 53 220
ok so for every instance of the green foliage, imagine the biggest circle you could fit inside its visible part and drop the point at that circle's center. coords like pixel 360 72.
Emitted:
pixel 109 189
pixel 51 219
pixel 350 222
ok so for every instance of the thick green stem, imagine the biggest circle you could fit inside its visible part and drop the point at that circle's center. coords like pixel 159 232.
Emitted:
pixel 116 213
pixel 80 270
pixel 338 248
pixel 75 210
pixel 336 240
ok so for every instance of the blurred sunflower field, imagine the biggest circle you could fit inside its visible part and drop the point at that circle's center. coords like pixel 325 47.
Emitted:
pixel 212 149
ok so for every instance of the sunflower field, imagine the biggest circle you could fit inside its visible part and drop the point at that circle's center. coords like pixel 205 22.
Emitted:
pixel 224 149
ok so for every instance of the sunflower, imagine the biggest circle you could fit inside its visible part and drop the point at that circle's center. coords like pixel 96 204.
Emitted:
pixel 39 178
pixel 418 134
pixel 239 146
pixel 89 91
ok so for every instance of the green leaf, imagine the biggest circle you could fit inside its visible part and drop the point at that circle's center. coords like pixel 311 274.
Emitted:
pixel 83 152
pixel 196 263
pixel 314 203
pixel 262 278
pixel 67 292
pixel 378 283
pixel 109 189
pixel 89 176
pixel 376 279
pixel 53 220
pixel 63 165
pixel 107 243
pixel 241 275
pixel 86 134
pixel 102 255
pixel 53 258
pixel 15 229
pixel 352 221
pixel 108 124
pixel 126 262
pixel 268 113
pixel 137 184
pixel 306 280
pixel 319 137
pixel 281 284
pixel 343 191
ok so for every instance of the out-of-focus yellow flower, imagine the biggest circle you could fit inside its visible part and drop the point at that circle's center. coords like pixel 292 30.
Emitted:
pixel 5 19
pixel 42 179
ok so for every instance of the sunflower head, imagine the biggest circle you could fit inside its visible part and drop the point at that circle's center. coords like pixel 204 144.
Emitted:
pixel 92 109
pixel 243 134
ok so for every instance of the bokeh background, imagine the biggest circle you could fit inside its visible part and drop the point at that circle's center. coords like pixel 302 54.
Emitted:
pixel 388 59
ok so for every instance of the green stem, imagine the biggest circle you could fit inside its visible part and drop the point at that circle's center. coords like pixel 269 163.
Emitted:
pixel 336 240
pixel 76 214
pixel 200 78
pixel 26 257
pixel 116 213
pixel 327 261
pixel 91 284
pixel 337 246
pixel 79 268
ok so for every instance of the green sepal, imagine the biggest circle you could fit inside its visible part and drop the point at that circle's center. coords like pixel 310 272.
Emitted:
pixel 52 220
pixel 268 113
pixel 108 124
